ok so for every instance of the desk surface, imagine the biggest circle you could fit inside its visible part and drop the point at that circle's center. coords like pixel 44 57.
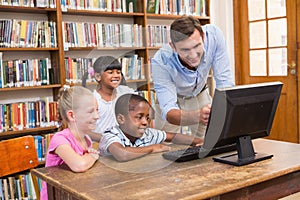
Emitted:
pixel 153 177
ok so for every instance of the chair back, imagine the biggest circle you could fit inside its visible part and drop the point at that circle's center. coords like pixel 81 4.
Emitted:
pixel 17 155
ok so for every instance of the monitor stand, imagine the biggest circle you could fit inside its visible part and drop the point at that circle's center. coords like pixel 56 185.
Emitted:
pixel 245 155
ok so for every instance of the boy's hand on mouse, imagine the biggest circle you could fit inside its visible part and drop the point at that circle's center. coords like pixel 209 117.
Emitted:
pixel 156 148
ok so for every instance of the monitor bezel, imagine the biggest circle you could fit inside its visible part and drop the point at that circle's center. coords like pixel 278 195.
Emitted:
pixel 215 136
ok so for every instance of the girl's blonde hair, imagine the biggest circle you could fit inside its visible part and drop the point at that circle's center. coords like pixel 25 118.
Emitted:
pixel 70 98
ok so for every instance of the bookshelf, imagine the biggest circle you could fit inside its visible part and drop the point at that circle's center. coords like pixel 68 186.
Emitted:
pixel 54 44
pixel 31 62
pixel 55 41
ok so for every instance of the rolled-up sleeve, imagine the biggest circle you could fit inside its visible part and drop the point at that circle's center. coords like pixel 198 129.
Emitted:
pixel 164 86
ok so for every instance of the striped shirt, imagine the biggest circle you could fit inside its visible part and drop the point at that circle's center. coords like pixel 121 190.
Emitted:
pixel 106 109
pixel 170 77
pixel 115 134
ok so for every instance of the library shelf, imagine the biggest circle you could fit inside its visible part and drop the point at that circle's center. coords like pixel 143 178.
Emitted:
pixel 60 14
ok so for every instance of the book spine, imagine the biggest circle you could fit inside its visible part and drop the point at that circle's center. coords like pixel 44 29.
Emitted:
pixel 9 117
pixel 44 71
pixel 37 113
pixel 1 119
pixel 12 190
pixel 18 189
pixel 1 189
pixel 21 72
pixel 10 77
pixel 27 186
pixel 21 107
pixel 5 189
pixel 22 186
pixel 43 121
pixel 1 71
pixel 39 147
pixel 31 187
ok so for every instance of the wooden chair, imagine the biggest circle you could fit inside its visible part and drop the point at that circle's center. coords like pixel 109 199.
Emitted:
pixel 17 155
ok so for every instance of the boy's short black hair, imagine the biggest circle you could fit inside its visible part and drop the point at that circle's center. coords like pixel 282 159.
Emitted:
pixel 128 102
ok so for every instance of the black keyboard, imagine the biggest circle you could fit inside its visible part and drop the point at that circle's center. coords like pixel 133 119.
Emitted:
pixel 196 152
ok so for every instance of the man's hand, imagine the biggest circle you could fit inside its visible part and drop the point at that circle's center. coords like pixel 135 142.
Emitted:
pixel 204 114
pixel 184 118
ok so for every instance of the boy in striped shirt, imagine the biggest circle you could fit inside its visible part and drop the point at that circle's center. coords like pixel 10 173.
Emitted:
pixel 133 138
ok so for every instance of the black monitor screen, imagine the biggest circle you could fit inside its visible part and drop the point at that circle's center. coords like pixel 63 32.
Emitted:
pixel 239 114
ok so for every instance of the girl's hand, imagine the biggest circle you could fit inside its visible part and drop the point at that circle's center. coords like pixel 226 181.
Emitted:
pixel 94 153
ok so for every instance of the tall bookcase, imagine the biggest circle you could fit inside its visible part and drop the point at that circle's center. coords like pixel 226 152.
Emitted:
pixel 57 52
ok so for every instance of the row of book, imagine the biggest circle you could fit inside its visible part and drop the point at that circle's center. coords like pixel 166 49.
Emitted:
pixel 79 69
pixel 20 73
pixel 30 3
pixel 18 187
pixel 177 7
pixel 133 68
pixel 101 5
pixel 158 35
pixel 149 95
pixel 27 33
pixel 29 114
pixel 41 145
pixel 85 34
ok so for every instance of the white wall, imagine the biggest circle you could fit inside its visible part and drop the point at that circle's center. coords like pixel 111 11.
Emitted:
pixel 221 12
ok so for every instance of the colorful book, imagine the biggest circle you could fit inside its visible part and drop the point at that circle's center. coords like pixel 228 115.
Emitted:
pixel 5 188
pixel 1 118
pixel 1 71
pixel 1 190
pixel 18 189
pixel 44 71
pixel 23 188
pixel 11 183
pixel 151 6
pixel 38 141
pixel 10 74
pixel 23 31
pixel 32 191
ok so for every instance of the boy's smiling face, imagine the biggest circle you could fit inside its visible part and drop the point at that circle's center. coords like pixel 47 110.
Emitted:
pixel 135 123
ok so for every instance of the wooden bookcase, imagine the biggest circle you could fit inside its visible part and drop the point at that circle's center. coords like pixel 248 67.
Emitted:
pixel 58 53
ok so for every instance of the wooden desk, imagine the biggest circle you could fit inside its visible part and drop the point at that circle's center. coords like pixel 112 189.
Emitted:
pixel 153 177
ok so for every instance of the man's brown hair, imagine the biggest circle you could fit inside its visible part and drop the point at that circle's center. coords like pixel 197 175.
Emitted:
pixel 184 27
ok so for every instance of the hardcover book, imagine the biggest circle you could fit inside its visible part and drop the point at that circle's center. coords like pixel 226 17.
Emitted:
pixel 131 6
pixel 152 6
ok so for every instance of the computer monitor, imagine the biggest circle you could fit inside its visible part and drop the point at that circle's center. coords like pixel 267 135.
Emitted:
pixel 240 114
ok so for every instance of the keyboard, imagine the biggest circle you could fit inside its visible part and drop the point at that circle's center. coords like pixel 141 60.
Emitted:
pixel 196 152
